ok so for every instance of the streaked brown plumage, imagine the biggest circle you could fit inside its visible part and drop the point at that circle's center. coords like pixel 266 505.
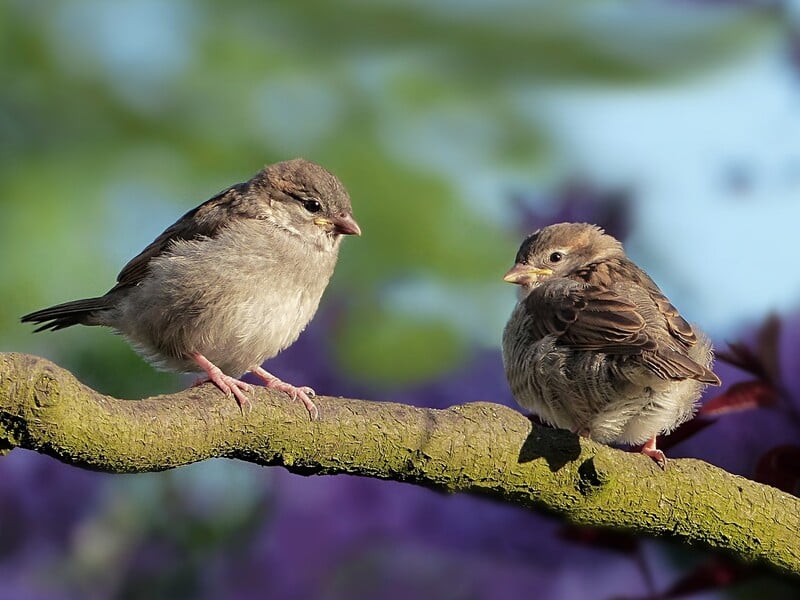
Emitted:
pixel 594 346
pixel 232 282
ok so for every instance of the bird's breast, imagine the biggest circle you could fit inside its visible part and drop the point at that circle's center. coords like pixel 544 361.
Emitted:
pixel 238 298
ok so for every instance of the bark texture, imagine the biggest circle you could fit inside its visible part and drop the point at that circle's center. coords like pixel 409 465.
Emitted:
pixel 478 448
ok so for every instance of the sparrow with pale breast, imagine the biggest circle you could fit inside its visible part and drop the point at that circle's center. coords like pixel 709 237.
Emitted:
pixel 232 282
pixel 595 347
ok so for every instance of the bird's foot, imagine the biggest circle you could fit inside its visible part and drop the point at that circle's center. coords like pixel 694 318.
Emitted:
pixel 584 432
pixel 229 385
pixel 302 393
pixel 649 449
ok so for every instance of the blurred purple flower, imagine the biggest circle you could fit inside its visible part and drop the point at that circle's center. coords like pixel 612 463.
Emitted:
pixel 42 503
pixel 360 538
pixel 757 408
pixel 349 537
pixel 576 201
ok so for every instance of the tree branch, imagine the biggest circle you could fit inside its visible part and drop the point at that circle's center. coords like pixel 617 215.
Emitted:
pixel 479 448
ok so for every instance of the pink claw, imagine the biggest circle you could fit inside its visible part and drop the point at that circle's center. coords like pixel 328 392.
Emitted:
pixel 649 449
pixel 229 385
pixel 303 393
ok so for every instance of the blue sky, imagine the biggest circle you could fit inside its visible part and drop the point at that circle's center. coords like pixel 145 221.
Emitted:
pixel 715 166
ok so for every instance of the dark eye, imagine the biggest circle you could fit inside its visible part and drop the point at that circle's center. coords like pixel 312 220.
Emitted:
pixel 312 206
pixel 556 256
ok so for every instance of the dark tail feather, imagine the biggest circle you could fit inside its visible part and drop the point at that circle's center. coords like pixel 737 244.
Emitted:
pixel 67 314
pixel 669 364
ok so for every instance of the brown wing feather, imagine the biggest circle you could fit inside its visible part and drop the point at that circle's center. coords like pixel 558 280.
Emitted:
pixel 204 221
pixel 588 317
pixel 671 364
pixel 679 327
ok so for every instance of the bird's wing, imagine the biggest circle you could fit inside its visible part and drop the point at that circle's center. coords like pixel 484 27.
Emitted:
pixel 588 317
pixel 204 221
pixel 679 327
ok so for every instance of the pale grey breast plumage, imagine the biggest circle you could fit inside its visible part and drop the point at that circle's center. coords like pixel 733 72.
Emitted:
pixel 596 347
pixel 235 279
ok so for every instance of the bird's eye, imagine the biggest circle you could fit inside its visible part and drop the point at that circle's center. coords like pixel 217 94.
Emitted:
pixel 556 257
pixel 312 206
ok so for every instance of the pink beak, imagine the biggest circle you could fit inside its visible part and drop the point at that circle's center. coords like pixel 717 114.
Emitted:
pixel 346 225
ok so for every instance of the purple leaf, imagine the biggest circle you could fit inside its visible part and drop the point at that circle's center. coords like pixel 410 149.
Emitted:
pixel 685 431
pixel 714 574
pixel 741 396
pixel 601 538
pixel 780 468
pixel 763 361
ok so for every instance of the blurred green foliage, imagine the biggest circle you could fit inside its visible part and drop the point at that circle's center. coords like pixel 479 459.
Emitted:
pixel 116 117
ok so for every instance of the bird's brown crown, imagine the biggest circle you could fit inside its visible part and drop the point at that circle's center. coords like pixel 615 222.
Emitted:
pixel 301 178
pixel 568 246
pixel 303 199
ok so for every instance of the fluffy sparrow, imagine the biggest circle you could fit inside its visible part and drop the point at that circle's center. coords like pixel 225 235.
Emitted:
pixel 231 283
pixel 594 346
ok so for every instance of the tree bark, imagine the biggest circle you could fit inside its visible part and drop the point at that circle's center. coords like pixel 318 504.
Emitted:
pixel 478 448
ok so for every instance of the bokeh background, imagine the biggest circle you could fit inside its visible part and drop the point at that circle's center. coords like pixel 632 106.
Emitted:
pixel 457 127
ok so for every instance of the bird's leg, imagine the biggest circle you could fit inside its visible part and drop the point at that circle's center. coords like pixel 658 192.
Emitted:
pixel 303 393
pixel 649 449
pixel 229 385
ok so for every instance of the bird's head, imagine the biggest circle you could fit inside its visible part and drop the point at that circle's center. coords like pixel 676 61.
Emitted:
pixel 307 200
pixel 561 250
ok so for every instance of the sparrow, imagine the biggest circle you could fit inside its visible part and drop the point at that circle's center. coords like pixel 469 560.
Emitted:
pixel 594 346
pixel 231 283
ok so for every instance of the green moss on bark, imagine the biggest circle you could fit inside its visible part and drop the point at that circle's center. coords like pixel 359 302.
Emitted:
pixel 479 448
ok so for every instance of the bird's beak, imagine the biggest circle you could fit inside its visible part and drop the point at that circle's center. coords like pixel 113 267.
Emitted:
pixel 525 274
pixel 343 224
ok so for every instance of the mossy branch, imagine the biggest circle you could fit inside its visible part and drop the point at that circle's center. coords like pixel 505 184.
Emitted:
pixel 478 448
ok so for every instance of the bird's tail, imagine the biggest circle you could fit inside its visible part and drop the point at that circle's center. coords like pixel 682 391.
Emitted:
pixel 77 312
